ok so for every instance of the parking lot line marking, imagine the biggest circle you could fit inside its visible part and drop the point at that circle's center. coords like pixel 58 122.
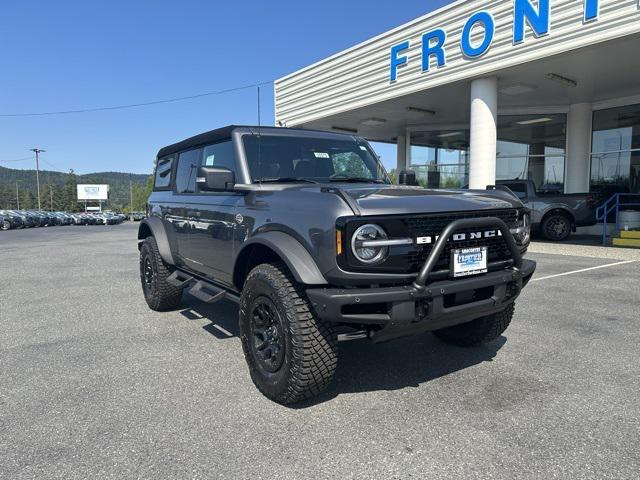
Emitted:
pixel 582 270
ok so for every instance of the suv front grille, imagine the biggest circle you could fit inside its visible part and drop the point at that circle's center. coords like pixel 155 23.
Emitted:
pixel 432 225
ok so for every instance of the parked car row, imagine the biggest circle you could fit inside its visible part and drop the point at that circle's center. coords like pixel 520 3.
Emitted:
pixel 11 219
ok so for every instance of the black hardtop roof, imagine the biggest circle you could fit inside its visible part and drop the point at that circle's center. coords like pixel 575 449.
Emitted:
pixel 218 134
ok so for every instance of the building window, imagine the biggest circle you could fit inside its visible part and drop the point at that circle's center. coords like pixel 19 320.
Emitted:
pixel 532 147
pixel 441 158
pixel 615 147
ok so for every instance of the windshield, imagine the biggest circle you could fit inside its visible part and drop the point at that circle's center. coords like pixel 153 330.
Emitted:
pixel 290 158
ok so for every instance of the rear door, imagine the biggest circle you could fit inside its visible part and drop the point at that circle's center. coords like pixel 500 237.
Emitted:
pixel 182 210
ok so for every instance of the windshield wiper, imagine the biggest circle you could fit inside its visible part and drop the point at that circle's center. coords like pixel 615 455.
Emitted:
pixel 285 180
pixel 354 179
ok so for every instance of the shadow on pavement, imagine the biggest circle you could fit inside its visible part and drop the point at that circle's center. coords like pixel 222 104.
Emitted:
pixel 362 365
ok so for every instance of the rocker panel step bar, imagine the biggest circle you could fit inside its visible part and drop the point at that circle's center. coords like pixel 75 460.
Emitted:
pixel 207 293
pixel 204 291
pixel 179 279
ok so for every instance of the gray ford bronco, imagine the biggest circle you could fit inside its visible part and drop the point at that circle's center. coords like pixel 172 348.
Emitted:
pixel 304 230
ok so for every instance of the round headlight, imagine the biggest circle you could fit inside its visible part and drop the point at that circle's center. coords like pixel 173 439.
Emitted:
pixel 363 243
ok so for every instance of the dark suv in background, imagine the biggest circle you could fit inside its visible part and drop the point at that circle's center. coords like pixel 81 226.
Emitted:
pixel 305 231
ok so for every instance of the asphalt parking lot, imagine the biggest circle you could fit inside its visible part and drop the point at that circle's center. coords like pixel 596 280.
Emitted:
pixel 95 385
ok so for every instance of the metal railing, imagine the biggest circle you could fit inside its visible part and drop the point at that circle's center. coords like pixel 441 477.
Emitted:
pixel 613 204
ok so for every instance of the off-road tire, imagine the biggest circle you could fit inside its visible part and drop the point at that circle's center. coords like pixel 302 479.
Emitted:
pixel 6 225
pixel 310 345
pixel 478 331
pixel 159 294
pixel 556 227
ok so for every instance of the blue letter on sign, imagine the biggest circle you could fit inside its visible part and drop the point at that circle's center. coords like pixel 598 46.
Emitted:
pixel 538 20
pixel 436 49
pixel 396 60
pixel 486 20
pixel 590 10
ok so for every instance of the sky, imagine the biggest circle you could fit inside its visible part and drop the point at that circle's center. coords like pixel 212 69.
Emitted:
pixel 72 54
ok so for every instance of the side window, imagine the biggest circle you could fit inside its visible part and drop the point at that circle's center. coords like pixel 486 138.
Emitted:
pixel 187 170
pixel 220 155
pixel 163 172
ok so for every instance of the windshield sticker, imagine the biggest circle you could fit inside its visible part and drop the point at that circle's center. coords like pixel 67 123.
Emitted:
pixel 321 155
pixel 210 160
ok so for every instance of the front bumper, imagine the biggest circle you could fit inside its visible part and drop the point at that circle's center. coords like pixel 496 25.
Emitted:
pixel 405 310
pixel 427 305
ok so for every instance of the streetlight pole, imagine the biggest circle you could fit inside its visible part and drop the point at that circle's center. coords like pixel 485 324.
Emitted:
pixel 38 151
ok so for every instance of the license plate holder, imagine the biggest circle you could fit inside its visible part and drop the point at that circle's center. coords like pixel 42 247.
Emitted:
pixel 468 261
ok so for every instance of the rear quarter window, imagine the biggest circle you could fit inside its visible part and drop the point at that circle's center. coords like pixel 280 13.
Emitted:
pixel 164 167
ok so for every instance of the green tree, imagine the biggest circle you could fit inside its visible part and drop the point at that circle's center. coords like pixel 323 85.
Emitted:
pixel 69 194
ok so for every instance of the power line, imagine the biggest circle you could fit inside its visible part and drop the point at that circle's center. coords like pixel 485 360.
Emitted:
pixel 136 105
pixel 50 164
pixel 24 159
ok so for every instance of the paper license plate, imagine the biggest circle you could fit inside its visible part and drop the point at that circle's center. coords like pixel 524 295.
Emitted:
pixel 469 261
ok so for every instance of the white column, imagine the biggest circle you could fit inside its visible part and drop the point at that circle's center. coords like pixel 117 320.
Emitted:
pixel 407 148
pixel 483 138
pixel 402 154
pixel 577 170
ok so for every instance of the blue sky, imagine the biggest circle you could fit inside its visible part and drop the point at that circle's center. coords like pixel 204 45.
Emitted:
pixel 60 55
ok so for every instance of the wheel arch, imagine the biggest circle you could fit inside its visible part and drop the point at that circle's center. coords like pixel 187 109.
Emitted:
pixel 277 246
pixel 153 227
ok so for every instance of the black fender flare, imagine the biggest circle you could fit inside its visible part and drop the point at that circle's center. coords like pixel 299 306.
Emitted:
pixel 153 226
pixel 293 253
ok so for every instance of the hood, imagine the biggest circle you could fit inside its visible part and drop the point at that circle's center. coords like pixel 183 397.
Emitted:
pixel 400 199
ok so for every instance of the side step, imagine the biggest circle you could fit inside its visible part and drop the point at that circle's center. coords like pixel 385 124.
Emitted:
pixel 204 291
pixel 179 279
pixel 207 293
pixel 357 335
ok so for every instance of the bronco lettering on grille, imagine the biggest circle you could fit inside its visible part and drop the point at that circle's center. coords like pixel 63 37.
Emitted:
pixel 460 237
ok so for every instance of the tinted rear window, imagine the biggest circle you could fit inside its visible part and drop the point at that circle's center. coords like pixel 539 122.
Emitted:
pixel 163 172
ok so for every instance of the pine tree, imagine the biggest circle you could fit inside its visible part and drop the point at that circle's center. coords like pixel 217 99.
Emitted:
pixel 68 198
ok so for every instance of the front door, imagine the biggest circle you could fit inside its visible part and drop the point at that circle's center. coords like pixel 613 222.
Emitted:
pixel 211 242
pixel 209 245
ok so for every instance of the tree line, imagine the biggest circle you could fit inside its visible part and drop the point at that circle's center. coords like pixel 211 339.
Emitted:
pixel 58 190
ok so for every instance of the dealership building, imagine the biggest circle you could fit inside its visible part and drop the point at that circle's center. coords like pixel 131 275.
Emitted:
pixel 547 90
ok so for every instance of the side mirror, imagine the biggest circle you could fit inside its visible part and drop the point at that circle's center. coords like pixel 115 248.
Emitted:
pixel 407 177
pixel 215 179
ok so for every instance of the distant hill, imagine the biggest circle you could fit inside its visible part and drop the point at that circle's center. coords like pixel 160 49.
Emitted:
pixel 63 184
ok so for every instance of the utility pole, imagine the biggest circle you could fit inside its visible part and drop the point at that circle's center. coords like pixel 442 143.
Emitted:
pixel 17 195
pixel 130 199
pixel 38 151
pixel 51 193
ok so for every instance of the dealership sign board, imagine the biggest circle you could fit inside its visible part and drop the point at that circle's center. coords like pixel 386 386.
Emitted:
pixel 93 192
pixel 482 26
pixel 463 40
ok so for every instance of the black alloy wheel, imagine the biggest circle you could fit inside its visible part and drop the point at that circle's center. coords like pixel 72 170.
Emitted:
pixel 556 227
pixel 267 335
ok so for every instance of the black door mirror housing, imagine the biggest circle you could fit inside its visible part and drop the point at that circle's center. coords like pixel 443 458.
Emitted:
pixel 215 179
